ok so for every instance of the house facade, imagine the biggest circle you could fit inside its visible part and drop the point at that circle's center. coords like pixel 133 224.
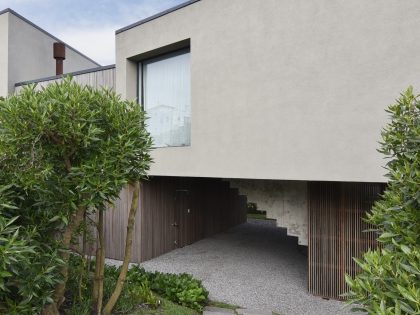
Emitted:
pixel 287 100
pixel 274 102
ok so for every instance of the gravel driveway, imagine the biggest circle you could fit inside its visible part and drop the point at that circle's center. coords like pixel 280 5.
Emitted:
pixel 254 265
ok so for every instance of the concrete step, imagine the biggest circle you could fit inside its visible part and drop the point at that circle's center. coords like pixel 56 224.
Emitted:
pixel 246 311
pixel 211 310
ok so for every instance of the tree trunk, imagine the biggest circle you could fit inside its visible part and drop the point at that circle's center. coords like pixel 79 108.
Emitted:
pixel 95 292
pixel 75 221
pixel 83 265
pixel 99 266
pixel 127 256
pixel 95 287
pixel 102 262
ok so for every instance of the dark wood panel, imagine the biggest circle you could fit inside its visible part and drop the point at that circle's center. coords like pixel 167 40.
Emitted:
pixel 337 233
pixel 200 207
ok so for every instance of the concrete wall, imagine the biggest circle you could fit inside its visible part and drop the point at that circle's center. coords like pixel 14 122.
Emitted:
pixel 282 89
pixel 4 46
pixel 284 201
pixel 31 54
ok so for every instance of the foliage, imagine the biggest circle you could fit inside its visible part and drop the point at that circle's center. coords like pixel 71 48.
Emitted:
pixel 27 271
pixel 139 290
pixel 252 207
pixel 254 213
pixel 143 293
pixel 182 289
pixel 390 279
pixel 64 150
pixel 166 308
pixel 133 294
pixel 70 146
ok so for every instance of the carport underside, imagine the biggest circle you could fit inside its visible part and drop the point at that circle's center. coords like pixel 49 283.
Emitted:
pixel 173 212
pixel 327 216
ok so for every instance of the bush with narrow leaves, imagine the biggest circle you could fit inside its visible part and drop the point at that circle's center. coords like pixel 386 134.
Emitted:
pixel 65 151
pixel 28 267
pixel 389 283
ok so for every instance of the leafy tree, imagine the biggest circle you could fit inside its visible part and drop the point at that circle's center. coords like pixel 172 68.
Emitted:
pixel 389 282
pixel 68 151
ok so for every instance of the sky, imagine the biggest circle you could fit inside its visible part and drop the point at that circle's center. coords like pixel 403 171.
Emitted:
pixel 88 26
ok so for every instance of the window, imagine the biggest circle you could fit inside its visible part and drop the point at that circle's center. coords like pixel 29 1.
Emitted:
pixel 165 92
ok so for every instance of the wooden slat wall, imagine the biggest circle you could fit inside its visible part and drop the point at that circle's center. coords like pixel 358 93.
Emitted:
pixel 114 220
pixel 214 207
pixel 336 233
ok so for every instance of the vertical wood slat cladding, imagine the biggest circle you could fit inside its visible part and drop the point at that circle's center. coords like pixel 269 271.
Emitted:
pixel 200 206
pixel 336 233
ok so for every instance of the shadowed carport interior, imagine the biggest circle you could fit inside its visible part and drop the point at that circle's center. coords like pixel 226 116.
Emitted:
pixel 254 265
pixel 172 212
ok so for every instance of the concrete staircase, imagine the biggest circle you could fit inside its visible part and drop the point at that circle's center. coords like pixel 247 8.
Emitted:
pixel 284 201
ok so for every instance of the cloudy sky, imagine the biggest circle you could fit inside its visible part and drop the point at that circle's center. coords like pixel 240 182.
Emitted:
pixel 87 25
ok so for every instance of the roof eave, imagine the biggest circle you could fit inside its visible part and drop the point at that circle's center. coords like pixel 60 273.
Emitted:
pixel 156 16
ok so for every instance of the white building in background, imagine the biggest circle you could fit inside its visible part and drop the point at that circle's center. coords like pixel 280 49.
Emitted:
pixel 26 52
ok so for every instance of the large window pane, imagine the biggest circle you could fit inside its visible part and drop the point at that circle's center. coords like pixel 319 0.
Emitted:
pixel 166 97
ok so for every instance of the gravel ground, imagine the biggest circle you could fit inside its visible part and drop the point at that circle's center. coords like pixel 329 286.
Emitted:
pixel 254 265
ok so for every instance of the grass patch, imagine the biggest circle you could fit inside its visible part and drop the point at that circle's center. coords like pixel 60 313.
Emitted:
pixel 166 308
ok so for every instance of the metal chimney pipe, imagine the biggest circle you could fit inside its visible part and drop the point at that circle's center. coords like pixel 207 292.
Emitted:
pixel 59 56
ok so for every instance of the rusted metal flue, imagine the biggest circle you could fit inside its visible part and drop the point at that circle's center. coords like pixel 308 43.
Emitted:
pixel 59 56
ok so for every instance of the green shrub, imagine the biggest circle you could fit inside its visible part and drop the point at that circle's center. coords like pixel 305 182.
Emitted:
pixel 133 294
pixel 136 292
pixel 182 289
pixel 143 293
pixel 66 151
pixel 252 207
pixel 28 267
pixel 390 279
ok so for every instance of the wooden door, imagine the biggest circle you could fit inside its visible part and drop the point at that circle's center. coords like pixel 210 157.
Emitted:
pixel 183 224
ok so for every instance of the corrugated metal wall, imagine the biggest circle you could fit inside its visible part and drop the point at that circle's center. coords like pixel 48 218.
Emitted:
pixel 173 212
pixel 95 78
pixel 336 233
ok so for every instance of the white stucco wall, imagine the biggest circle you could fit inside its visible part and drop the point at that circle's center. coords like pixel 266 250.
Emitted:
pixel 4 27
pixel 31 54
pixel 291 90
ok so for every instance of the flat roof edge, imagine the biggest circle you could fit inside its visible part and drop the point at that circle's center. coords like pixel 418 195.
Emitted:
pixel 158 15
pixel 8 10
pixel 55 77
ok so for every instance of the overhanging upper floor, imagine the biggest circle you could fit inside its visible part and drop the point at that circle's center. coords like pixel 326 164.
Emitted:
pixel 280 89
